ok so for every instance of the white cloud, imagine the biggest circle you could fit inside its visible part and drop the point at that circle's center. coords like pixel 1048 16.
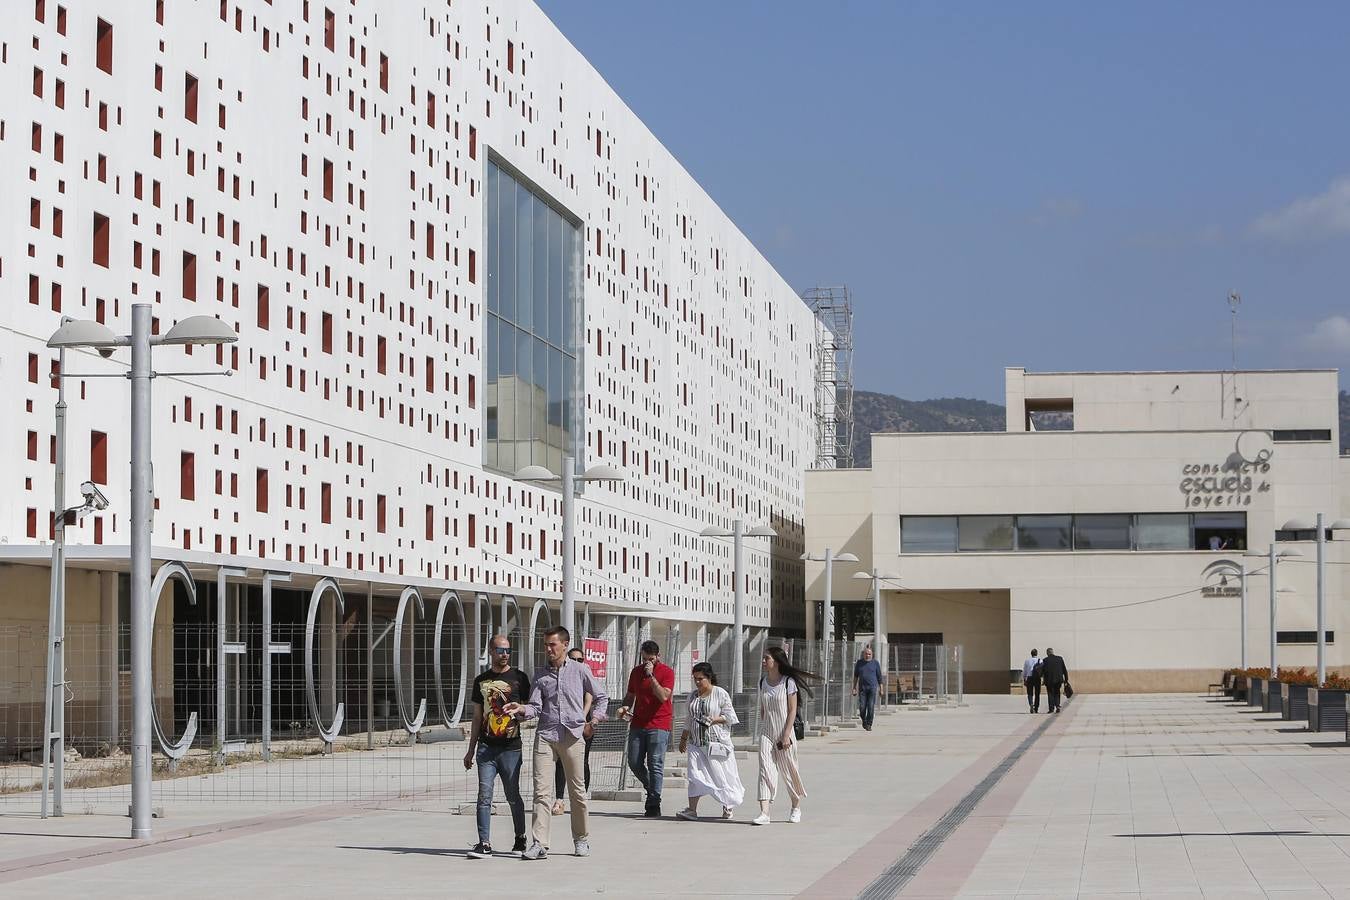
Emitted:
pixel 1331 335
pixel 1325 215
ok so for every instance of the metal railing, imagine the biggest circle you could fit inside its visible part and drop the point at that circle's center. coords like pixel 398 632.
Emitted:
pixel 221 743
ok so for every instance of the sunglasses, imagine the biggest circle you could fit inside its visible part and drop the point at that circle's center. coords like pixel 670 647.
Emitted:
pixel 501 651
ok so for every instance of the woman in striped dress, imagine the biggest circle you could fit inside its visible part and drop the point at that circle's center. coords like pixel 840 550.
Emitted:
pixel 779 693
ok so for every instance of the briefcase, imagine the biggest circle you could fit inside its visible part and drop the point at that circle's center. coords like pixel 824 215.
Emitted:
pixel 1068 690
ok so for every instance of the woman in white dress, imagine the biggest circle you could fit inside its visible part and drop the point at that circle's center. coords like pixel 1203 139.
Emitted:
pixel 707 740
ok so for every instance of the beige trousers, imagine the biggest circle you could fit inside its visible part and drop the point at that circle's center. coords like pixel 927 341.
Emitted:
pixel 773 763
pixel 571 751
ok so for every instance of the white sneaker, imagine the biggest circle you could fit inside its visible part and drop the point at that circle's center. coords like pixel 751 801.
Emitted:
pixel 761 819
pixel 796 815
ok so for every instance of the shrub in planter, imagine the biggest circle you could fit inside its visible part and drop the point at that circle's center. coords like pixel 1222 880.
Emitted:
pixel 1270 698
pixel 1326 704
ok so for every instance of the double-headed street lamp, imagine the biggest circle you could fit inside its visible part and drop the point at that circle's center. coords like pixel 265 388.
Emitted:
pixel 1322 538
pixel 567 481
pixel 737 534
pixel 95 335
pixel 1272 557
pixel 827 611
pixel 878 616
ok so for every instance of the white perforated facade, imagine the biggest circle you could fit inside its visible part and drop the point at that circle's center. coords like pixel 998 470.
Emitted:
pixel 313 174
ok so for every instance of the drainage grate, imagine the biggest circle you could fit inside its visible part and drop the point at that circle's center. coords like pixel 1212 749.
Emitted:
pixel 893 880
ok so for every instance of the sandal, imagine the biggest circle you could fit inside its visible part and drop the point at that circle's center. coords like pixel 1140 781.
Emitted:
pixel 727 812
pixel 687 814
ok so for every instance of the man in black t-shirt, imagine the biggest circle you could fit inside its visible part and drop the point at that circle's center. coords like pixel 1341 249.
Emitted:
pixel 495 742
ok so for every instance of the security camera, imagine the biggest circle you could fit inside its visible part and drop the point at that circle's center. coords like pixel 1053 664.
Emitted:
pixel 93 497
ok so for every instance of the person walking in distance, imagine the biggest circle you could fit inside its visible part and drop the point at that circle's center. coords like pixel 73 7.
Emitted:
pixel 780 690
pixel 866 683
pixel 575 654
pixel 650 686
pixel 494 743
pixel 558 701
pixel 1056 675
pixel 707 738
pixel 1031 680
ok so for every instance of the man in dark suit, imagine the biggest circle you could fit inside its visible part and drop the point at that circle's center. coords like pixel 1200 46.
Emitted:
pixel 1056 675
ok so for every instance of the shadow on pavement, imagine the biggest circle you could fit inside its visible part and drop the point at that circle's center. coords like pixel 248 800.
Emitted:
pixel 1183 834
pixel 420 851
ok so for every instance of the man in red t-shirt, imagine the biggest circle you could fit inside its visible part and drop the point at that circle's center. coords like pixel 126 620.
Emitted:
pixel 650 686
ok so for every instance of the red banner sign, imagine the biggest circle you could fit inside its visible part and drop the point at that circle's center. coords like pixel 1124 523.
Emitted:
pixel 597 656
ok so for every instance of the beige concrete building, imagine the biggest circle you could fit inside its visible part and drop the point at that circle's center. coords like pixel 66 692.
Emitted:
pixel 1112 520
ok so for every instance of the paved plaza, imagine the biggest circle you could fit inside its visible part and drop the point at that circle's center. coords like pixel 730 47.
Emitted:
pixel 1155 795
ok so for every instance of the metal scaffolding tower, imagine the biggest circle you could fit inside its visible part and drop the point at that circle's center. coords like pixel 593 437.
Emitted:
pixel 834 376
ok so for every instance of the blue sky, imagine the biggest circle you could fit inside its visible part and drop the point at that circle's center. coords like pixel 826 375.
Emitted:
pixel 1057 186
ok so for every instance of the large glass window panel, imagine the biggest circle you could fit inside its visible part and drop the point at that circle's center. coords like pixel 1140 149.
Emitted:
pixel 1044 532
pixel 1101 532
pixel 524 259
pixel 506 256
pixel 490 341
pixel 524 385
pixel 556 289
pixel 539 401
pixel 493 245
pixel 928 534
pixel 571 390
pixel 1162 531
pixel 539 260
pixel 556 393
pixel 1220 531
pixel 529 344
pixel 571 245
pixel 986 532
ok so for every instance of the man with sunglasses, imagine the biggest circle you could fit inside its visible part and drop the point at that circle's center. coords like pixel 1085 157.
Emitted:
pixel 495 742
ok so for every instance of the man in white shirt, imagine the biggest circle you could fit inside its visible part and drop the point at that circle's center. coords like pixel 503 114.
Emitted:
pixel 1031 679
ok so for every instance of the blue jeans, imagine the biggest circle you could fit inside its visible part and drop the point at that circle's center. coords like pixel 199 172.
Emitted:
pixel 647 760
pixel 867 704
pixel 494 761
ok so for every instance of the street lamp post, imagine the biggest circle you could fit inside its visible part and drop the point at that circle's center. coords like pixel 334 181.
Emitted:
pixel 879 629
pixel 1322 529
pixel 1273 556
pixel 567 482
pixel 83 333
pixel 827 612
pixel 737 535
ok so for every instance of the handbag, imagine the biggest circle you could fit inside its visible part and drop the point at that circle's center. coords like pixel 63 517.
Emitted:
pixel 1068 690
pixel 798 726
pixel 718 750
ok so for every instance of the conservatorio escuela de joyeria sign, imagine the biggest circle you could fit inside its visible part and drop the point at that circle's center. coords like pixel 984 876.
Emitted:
pixel 1210 485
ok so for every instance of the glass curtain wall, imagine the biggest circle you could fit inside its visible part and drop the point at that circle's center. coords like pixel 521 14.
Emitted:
pixel 529 343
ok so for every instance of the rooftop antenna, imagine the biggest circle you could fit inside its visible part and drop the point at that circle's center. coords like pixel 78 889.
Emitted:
pixel 1234 300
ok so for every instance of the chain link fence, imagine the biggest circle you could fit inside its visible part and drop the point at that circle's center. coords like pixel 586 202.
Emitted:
pixel 333 721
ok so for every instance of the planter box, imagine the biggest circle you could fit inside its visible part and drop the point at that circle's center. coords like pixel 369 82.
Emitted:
pixel 1239 689
pixel 1256 689
pixel 1294 702
pixel 1270 699
pixel 1326 709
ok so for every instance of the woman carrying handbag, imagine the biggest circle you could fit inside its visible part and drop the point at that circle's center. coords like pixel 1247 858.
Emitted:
pixel 779 693
pixel 707 740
